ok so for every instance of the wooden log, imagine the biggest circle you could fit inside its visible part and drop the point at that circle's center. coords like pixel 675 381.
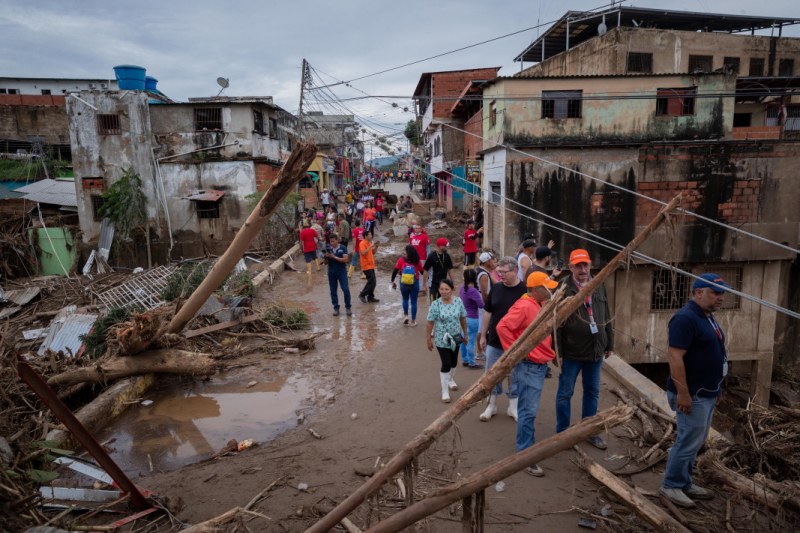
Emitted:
pixel 215 525
pixel 276 267
pixel 504 468
pixel 654 514
pixel 648 430
pixel 535 333
pixel 165 361
pixel 291 173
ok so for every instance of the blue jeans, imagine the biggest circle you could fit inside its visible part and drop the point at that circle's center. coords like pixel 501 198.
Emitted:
pixel 529 379
pixel 492 355
pixel 338 278
pixel 355 259
pixel 692 433
pixel 468 350
pixel 410 293
pixel 570 369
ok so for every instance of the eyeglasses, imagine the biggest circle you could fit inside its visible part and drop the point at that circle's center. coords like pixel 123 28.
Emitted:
pixel 502 272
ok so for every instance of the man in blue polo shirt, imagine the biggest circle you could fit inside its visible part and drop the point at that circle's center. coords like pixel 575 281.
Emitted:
pixel 337 258
pixel 698 364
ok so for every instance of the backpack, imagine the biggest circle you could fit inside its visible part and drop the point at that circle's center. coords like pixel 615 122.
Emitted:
pixel 407 275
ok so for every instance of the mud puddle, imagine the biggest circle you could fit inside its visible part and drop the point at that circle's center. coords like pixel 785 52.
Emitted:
pixel 189 422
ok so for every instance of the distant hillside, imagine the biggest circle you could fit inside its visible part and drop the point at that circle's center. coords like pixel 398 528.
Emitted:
pixel 379 162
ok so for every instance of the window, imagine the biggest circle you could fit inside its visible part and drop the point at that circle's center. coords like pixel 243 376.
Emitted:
pixel 786 67
pixel 9 91
pixel 97 202
pixel 756 66
pixel 206 209
pixel 3 91
pixel 731 63
pixel 742 120
pixel 492 114
pixel 561 104
pixel 640 62
pixel 701 64
pixel 496 190
pixel 273 128
pixel 258 122
pixel 675 102
pixel 108 125
pixel 208 118
pixel 792 118
pixel 46 91
pixel 669 290
pixel 437 147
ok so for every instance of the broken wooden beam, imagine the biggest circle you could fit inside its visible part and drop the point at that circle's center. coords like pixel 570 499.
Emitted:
pixel 165 361
pixel 535 333
pixel 291 173
pixel 652 513
pixel 269 273
pixel 444 496
pixel 222 325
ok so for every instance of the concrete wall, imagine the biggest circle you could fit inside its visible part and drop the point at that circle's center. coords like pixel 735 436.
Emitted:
pixel 24 122
pixel 605 118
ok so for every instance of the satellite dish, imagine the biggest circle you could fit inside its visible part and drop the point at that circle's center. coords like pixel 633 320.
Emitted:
pixel 223 83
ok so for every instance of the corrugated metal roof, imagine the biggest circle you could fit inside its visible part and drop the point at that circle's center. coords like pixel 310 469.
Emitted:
pixel 21 296
pixel 206 196
pixel 47 191
pixel 65 334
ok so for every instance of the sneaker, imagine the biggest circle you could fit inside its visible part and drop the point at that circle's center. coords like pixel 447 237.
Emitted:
pixel 480 357
pixel 699 493
pixel 476 366
pixel 598 442
pixel 464 363
pixel 363 299
pixel 405 320
pixel 335 312
pixel 373 300
pixel 677 497
pixel 535 471
pixel 413 323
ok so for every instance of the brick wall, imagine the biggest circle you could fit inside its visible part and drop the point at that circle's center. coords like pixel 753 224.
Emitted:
pixel 472 144
pixel 740 205
pixel 265 175
pixel 756 133
pixel 450 84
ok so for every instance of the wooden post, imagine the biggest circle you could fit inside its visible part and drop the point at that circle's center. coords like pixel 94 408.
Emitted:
pixel 507 466
pixel 535 333
pixel 291 173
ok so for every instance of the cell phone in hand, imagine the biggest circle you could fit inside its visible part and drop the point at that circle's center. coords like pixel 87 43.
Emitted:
pixel 560 265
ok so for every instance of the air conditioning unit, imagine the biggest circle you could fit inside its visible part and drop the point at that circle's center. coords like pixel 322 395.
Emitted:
pixel 91 85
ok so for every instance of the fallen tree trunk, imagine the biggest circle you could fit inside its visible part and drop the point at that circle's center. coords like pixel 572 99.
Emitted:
pixel 291 173
pixel 505 467
pixel 166 361
pixel 535 333
pixel 654 514
pixel 278 266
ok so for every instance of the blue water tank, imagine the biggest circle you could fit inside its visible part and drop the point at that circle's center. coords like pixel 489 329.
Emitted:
pixel 150 83
pixel 130 77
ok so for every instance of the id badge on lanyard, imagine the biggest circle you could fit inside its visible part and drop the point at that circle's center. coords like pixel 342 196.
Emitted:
pixel 592 324
pixel 718 332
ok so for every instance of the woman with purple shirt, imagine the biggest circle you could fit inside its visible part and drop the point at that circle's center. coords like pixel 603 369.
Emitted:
pixel 473 302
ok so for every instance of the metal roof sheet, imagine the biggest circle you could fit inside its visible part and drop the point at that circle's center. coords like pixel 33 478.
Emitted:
pixel 65 334
pixel 21 296
pixel 48 191
pixel 206 196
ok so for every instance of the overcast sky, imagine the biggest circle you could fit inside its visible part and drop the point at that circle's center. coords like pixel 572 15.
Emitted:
pixel 259 45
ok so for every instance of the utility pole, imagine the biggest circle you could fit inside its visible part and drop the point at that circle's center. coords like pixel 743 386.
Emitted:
pixel 304 79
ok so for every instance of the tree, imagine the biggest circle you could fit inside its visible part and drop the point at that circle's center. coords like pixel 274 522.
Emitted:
pixel 412 133
pixel 125 204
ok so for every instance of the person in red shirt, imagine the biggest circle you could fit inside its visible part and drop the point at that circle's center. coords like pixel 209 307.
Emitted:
pixel 379 203
pixel 308 241
pixel 419 240
pixel 370 219
pixel 528 374
pixel 358 235
pixel 470 243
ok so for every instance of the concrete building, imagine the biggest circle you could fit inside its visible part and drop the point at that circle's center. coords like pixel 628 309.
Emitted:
pixel 54 86
pixel 658 106
pixel 199 161
pixel 336 137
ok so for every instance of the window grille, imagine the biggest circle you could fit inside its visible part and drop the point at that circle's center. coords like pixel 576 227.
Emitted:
pixel 561 104
pixel 258 122
pixel 675 102
pixel 701 64
pixel 46 92
pixel 208 118
pixel 669 290
pixel 792 118
pixel 786 67
pixel 206 209
pixel 640 62
pixel 732 63
pixel 97 202
pixel 492 115
pixel 273 128
pixel 108 124
pixel 756 66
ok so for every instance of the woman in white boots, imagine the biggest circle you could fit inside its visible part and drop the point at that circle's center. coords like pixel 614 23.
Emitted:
pixel 447 329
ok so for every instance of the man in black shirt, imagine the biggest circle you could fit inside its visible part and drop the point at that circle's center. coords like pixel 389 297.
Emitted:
pixel 440 264
pixel 501 298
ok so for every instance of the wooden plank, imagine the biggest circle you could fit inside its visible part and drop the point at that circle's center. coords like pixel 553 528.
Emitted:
pixel 222 325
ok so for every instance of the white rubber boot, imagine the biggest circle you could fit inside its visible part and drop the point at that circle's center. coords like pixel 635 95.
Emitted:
pixel 450 383
pixel 444 379
pixel 491 409
pixel 512 408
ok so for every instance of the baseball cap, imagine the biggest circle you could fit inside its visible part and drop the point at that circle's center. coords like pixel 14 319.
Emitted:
pixel 542 252
pixel 470 221
pixel 579 256
pixel 705 282
pixel 540 279
pixel 442 242
pixel 484 257
pixel 528 243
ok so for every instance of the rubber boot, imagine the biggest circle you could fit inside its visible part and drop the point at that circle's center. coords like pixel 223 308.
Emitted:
pixel 444 379
pixel 512 408
pixel 350 271
pixel 490 410
pixel 450 383
pixel 318 265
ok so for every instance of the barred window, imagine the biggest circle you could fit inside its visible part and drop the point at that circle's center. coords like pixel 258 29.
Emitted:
pixel 258 122
pixel 273 128
pixel 206 209
pixel 701 64
pixel 675 102
pixel 669 290
pixel 640 62
pixel 97 203
pixel 108 124
pixel 786 67
pixel 492 114
pixel 756 66
pixel 208 118
pixel 561 104
pixel 731 63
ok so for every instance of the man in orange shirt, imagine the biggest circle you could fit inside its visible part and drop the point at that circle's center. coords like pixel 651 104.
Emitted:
pixel 529 373
pixel 366 250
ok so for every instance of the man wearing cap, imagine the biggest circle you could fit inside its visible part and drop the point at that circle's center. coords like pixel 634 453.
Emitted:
pixel 584 339
pixel 337 258
pixel 528 374
pixel 470 244
pixel 698 364
pixel 501 298
pixel 325 200
pixel 541 260
pixel 440 264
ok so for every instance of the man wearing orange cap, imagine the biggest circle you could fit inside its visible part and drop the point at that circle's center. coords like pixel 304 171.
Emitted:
pixel 583 341
pixel 529 374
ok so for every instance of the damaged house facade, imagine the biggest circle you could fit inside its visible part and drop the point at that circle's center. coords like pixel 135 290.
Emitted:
pixel 198 161
pixel 658 103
